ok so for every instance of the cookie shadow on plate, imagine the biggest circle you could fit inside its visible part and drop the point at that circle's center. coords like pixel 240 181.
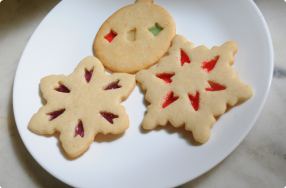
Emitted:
pixel 107 138
pixel 99 138
pixel 43 100
pixel 228 109
pixel 27 163
pixel 180 131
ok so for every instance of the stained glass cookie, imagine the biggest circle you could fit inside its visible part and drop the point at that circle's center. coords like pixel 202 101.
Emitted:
pixel 191 87
pixel 83 104
pixel 135 37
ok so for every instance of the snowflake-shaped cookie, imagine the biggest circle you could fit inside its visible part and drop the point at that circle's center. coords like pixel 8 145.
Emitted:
pixel 191 87
pixel 83 104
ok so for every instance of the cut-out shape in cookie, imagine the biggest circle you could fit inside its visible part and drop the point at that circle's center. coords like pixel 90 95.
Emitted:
pixel 53 115
pixel 88 74
pixel 169 99
pixel 209 65
pixel 195 100
pixel 166 77
pixel 215 86
pixel 184 58
pixel 131 35
pixel 156 29
pixel 113 85
pixel 109 116
pixel 79 129
pixel 76 114
pixel 199 92
pixel 110 36
pixel 62 88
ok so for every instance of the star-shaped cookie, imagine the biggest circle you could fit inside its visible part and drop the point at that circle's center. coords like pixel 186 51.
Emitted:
pixel 83 104
pixel 191 87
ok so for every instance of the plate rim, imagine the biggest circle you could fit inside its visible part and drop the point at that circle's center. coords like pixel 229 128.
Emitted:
pixel 224 154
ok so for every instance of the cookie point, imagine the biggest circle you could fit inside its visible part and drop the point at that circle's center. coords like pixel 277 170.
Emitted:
pixel 201 137
pixel 144 1
pixel 232 45
pixel 179 39
pixel 89 58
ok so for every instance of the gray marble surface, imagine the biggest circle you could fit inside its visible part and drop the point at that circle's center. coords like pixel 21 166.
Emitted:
pixel 260 161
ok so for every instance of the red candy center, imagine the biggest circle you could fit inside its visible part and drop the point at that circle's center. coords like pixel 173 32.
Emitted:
pixel 62 88
pixel 113 85
pixel 109 116
pixel 110 36
pixel 184 58
pixel 195 100
pixel 209 65
pixel 79 130
pixel 88 74
pixel 166 77
pixel 169 99
pixel 53 115
pixel 215 86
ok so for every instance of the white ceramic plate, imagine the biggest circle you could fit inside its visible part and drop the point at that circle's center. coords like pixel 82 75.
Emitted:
pixel 158 158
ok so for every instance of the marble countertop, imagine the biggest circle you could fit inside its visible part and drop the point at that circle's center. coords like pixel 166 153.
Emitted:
pixel 259 161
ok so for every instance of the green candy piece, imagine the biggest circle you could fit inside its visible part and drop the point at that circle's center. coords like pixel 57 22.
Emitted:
pixel 155 30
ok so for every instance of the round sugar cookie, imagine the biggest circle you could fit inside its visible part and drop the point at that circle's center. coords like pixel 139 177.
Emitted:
pixel 135 37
